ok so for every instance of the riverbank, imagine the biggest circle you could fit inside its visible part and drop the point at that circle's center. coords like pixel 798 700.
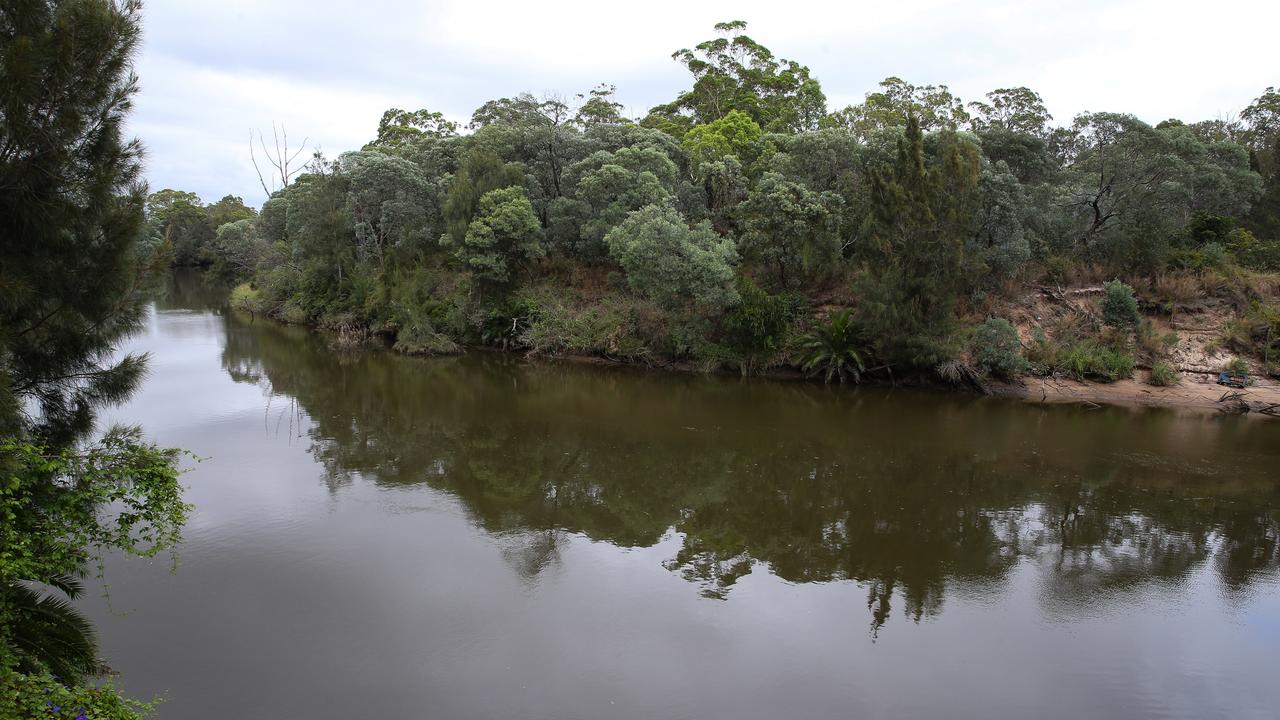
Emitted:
pixel 1195 392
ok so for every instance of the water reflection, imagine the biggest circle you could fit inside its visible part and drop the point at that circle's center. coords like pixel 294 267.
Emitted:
pixel 910 495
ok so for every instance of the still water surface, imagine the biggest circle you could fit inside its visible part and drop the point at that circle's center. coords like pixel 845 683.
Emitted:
pixel 482 537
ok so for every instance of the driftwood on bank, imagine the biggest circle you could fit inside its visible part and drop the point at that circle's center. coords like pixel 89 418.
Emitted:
pixel 1236 402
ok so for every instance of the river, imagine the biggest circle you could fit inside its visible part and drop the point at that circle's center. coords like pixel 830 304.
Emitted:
pixel 485 537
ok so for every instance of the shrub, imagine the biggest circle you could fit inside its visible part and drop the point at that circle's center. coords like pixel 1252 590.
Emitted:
pixel 604 328
pixel 674 265
pixel 998 349
pixel 831 348
pixel 1254 253
pixel 1042 353
pixel 1257 332
pixel 506 325
pixel 246 298
pixel 1238 367
pixel 1163 375
pixel 1089 360
pixel 1119 306
pixel 756 328
pixel 1153 344
pixel 504 235
pixel 1112 364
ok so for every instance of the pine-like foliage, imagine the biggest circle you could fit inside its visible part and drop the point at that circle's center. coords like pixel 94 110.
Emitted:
pixel 923 205
pixel 71 212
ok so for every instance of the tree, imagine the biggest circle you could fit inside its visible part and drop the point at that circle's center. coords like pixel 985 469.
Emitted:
pixel 281 160
pixel 181 220
pixel 1020 110
pixel 238 248
pixel 599 108
pixel 71 214
pixel 608 185
pixel 932 106
pixel 1000 244
pixel 388 196
pixel 399 127
pixel 230 208
pixel 1262 120
pixel 790 229
pixel 735 73
pixel 481 172
pixel 74 279
pixel 1128 185
pixel 523 109
pixel 922 213
pixel 677 266
pixel 503 237
pixel 734 134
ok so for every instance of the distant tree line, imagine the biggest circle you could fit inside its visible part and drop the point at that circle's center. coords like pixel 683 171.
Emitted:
pixel 727 227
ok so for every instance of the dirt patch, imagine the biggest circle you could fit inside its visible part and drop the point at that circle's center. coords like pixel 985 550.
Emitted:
pixel 1196 391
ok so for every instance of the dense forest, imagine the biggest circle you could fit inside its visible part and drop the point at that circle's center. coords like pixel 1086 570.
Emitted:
pixel 744 226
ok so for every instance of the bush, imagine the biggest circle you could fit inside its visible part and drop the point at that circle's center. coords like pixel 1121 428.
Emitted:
pixel 1163 375
pixel 998 349
pixel 1254 253
pixel 246 298
pixel 1257 332
pixel 756 328
pixel 604 328
pixel 506 325
pixel 1088 360
pixel 1238 367
pixel 41 695
pixel 674 265
pixel 831 348
pixel 1119 306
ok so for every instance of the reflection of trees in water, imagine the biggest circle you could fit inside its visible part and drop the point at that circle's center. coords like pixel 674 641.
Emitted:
pixel 902 494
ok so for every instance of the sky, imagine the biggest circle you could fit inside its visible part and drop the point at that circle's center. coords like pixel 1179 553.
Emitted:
pixel 212 71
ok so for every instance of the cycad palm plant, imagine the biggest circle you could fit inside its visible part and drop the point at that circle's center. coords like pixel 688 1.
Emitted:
pixel 832 349
pixel 49 633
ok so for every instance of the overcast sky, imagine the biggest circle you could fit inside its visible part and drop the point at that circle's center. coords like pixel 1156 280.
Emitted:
pixel 213 69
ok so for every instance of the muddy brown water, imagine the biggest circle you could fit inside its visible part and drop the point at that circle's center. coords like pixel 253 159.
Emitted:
pixel 483 537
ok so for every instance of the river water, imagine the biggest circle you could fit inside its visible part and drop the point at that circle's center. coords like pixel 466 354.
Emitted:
pixel 484 537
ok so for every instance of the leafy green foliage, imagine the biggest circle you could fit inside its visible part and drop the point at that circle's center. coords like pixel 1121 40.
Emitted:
pixel 608 185
pixel 734 134
pixel 789 229
pixel 71 215
pixel 482 171
pixel 734 73
pixel 921 214
pixel 997 349
pixel 1163 375
pixel 832 349
pixel 678 266
pixel 1017 110
pixel 756 328
pixel 932 107
pixel 1090 360
pixel 36 695
pixel 399 127
pixel 1119 306
pixel 502 238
